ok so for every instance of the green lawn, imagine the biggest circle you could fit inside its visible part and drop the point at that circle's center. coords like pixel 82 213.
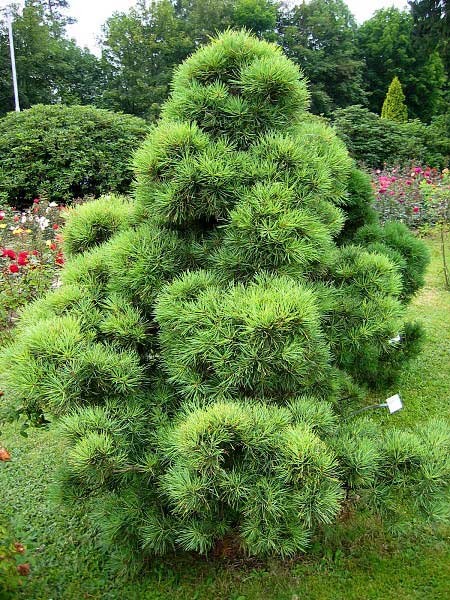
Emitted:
pixel 365 563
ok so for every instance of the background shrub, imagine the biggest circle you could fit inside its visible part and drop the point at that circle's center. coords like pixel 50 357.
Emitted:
pixel 375 141
pixel 63 152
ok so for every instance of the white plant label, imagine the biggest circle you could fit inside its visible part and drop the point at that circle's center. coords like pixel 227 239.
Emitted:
pixel 394 403
pixel 396 340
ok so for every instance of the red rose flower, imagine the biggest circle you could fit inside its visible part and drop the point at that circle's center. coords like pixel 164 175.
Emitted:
pixel 52 246
pixel 9 253
pixel 55 226
pixel 35 253
pixel 23 258
pixel 36 201
pixel 416 209
pixel 2 216
pixel 59 258
pixel 14 268
pixel 16 218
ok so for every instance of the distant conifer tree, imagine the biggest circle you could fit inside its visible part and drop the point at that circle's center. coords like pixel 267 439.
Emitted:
pixel 394 107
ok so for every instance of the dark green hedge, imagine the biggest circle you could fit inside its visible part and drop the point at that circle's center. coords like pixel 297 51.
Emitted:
pixel 376 141
pixel 65 152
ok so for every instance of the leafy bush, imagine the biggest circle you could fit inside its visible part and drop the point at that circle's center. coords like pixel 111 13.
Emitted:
pixel 63 152
pixel 376 141
pixel 206 358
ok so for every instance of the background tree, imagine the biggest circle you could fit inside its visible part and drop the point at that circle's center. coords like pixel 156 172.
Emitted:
pixel 139 51
pixel 259 16
pixel 387 45
pixel 66 152
pixel 321 36
pixel 432 26
pixel 141 48
pixel 394 107
pixel 50 68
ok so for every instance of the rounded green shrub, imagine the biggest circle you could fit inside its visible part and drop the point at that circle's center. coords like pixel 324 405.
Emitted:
pixel 66 152
pixel 206 349
pixel 94 222
pixel 402 247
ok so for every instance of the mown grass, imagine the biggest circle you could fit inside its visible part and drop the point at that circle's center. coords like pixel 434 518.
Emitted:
pixel 361 562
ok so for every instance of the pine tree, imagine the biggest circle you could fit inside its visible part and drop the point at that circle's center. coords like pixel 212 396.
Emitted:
pixel 394 107
pixel 212 337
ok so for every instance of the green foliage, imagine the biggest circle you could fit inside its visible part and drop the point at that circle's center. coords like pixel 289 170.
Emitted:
pixel 139 51
pixel 347 558
pixel 63 152
pixel 94 222
pixel 215 344
pixel 394 107
pixel 9 575
pixel 205 353
pixel 359 204
pixel 238 87
pixel 141 260
pixel 375 141
pixel 431 26
pixel 141 48
pixel 403 248
pixel 259 16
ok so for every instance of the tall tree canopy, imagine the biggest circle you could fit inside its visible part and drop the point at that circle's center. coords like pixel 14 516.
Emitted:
pixel 141 48
pixel 139 51
pixel 321 36
pixel 432 25
pixel 388 47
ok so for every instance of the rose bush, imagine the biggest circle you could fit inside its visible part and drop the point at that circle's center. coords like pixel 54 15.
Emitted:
pixel 414 195
pixel 30 255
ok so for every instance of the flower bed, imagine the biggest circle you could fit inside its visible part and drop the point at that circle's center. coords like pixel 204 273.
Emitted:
pixel 30 255
pixel 417 196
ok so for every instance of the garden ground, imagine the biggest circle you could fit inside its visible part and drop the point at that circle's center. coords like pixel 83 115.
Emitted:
pixel 363 562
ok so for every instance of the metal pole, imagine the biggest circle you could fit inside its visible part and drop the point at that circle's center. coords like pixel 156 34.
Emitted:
pixel 13 62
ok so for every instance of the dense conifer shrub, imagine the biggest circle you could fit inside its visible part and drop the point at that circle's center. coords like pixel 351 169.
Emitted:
pixel 210 341
pixel 66 152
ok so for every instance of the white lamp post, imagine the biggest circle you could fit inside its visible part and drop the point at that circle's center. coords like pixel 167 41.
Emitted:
pixel 13 61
